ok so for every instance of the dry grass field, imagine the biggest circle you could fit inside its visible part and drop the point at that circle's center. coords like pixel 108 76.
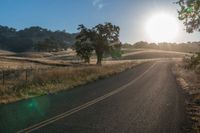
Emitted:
pixel 57 79
pixel 31 74
pixel 152 54
pixel 190 82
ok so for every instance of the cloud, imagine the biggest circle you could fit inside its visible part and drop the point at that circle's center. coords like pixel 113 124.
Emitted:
pixel 100 6
pixel 95 2
pixel 98 3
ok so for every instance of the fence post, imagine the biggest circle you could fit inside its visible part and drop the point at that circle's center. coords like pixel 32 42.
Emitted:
pixel 26 74
pixel 3 77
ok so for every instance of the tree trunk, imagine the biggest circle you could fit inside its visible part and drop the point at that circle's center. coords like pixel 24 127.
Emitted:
pixel 87 60
pixel 99 59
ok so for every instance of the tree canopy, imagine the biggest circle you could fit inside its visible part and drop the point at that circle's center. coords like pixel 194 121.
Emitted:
pixel 99 39
pixel 84 44
pixel 189 13
pixel 105 34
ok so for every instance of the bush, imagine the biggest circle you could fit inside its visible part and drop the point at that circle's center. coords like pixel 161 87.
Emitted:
pixel 193 62
pixel 116 54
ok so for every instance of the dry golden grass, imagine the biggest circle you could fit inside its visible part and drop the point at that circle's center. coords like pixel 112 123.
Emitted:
pixel 190 82
pixel 57 79
pixel 41 61
pixel 38 58
pixel 11 64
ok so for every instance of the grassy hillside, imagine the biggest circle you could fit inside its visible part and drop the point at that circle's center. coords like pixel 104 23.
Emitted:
pixel 190 47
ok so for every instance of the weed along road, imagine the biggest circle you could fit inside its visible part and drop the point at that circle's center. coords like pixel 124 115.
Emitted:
pixel 145 99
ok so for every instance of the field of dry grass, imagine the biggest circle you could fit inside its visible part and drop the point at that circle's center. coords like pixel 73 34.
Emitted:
pixel 69 58
pixel 153 54
pixel 6 64
pixel 190 82
pixel 61 78
pixel 37 59
pixel 55 71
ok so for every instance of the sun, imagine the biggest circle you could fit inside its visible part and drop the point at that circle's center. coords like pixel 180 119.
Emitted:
pixel 162 27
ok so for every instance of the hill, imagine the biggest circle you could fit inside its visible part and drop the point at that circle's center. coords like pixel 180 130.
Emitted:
pixel 34 39
pixel 190 47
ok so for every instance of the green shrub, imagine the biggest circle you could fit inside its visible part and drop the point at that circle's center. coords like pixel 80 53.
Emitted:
pixel 193 62
pixel 116 54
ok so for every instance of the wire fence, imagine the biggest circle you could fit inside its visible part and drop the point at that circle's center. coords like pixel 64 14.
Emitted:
pixel 13 77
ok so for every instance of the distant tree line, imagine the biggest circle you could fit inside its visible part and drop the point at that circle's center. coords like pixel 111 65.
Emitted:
pixel 190 47
pixel 34 39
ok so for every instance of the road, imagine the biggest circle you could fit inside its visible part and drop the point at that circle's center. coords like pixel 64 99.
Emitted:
pixel 145 99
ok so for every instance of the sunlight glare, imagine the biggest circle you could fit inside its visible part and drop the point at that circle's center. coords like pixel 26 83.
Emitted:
pixel 162 28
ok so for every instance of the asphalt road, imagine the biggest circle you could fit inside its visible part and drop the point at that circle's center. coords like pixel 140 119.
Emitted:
pixel 145 99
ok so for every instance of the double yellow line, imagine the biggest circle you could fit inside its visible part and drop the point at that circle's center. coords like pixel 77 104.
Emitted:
pixel 81 107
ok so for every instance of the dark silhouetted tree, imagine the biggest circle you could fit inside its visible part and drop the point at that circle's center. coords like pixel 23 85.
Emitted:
pixel 100 37
pixel 84 44
pixel 106 34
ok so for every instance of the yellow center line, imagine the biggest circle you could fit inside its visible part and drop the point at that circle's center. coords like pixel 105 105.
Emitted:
pixel 81 107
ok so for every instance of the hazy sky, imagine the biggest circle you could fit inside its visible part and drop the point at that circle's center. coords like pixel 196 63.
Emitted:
pixel 130 15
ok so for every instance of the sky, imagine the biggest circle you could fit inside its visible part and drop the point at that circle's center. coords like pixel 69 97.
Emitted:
pixel 130 15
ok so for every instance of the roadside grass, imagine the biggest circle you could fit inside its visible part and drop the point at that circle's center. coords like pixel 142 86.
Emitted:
pixel 189 80
pixel 61 78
